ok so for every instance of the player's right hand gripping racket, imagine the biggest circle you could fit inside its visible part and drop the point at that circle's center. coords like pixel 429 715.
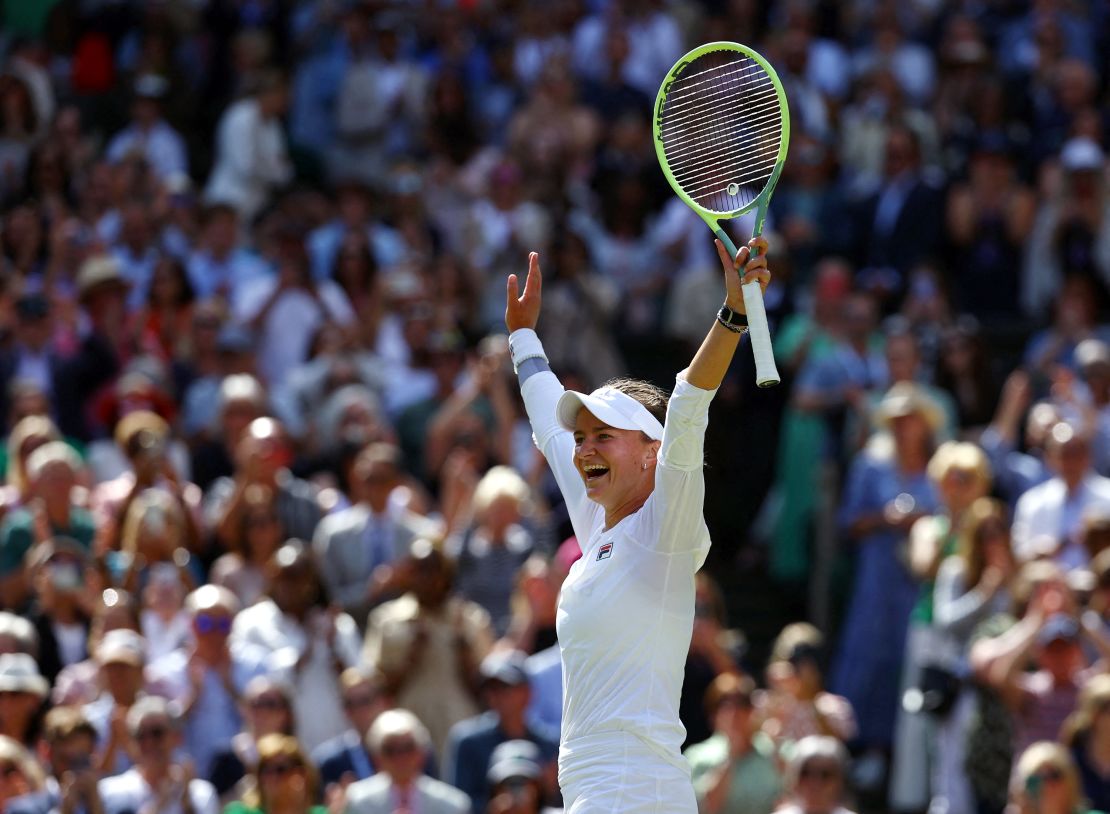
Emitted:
pixel 721 132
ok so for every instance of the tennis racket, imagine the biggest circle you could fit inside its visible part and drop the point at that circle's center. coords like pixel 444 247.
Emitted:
pixel 721 132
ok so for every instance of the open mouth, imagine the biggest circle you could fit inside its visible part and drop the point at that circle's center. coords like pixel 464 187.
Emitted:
pixel 594 472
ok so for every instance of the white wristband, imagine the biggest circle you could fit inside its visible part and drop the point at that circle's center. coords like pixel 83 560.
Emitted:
pixel 525 344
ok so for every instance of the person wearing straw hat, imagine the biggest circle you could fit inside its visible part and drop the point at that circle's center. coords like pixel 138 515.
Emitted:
pixel 628 460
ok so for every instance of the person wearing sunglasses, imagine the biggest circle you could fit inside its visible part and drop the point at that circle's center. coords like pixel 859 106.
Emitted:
pixel 265 708
pixel 283 782
pixel 1045 781
pixel 815 777
pixel 207 676
pixel 158 783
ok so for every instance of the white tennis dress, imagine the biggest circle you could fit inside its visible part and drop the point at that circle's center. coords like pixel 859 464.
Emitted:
pixel 625 617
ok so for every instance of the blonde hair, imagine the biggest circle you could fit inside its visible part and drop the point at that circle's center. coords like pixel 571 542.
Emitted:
pixel 1044 753
pixel 960 456
pixel 275 746
pixel 53 452
pixel 150 507
pixel 982 512
pixel 501 481
pixel 1093 699
pixel 792 636
pixel 30 427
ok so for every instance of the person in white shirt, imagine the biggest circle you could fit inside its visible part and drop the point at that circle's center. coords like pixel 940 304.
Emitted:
pixel 1049 519
pixel 815 777
pixel 251 155
pixel 634 490
pixel 148 134
pixel 157 783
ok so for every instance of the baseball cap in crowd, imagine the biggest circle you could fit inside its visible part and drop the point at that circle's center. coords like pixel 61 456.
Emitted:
pixel 1059 627
pixel 99 272
pixel 122 646
pixel 610 405
pixel 20 673
pixel 1082 154
pixel 516 759
pixel 506 667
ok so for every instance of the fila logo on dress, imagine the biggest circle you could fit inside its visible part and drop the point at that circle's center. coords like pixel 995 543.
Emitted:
pixel 605 552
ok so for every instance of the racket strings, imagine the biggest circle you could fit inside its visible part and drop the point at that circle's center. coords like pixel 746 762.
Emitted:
pixel 721 130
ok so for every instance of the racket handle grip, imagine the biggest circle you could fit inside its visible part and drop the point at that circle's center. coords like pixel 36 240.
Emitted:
pixel 766 374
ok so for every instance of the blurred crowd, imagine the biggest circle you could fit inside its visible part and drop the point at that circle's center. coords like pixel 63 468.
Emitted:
pixel 274 534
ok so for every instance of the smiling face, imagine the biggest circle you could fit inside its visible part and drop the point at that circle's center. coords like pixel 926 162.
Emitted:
pixel 617 466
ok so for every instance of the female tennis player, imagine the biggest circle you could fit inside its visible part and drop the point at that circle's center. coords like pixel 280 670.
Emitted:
pixel 629 465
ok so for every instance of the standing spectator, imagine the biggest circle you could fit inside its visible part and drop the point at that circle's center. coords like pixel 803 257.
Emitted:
pixel 266 708
pixel 346 756
pixel 207 676
pixel 428 644
pixel 121 659
pixel 158 782
pixel 70 739
pixel 251 157
pixel 21 779
pixel 220 264
pixel 1086 733
pixel 243 569
pixel 58 570
pixel 304 640
pixel 1016 472
pixel 79 683
pixel 472 742
pixel 148 134
pixel 734 771
pixel 400 744
pixel 1048 520
pixel 283 781
pixel 32 355
pixel 357 547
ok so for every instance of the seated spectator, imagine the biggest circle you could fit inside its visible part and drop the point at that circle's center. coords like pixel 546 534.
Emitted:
pixel 121 658
pixel 21 779
pixel 1086 733
pixel 490 550
pixel 148 133
pixel 357 547
pixel 428 644
pixel 796 703
pixel 345 756
pixel 78 684
pixel 399 745
pixel 734 770
pixel 242 570
pixel 22 692
pixel 1045 781
pixel 815 777
pixel 283 781
pixel 1048 520
pixel 158 781
pixel 206 676
pixel 265 708
pixel 52 471
pixel 471 742
pixel 302 641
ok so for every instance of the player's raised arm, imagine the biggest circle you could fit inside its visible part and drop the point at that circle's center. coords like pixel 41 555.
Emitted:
pixel 711 362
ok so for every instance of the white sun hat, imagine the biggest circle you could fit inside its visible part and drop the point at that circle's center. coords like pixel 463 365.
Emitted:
pixel 610 405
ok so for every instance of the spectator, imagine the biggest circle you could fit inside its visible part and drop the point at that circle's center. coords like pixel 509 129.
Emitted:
pixel 78 683
pixel 472 742
pixel 27 435
pixel 58 570
pixel 302 638
pixel 283 781
pixel 345 757
pixel 515 780
pixel 70 740
pixel 32 357
pixel 429 643
pixel 157 779
pixel 734 770
pixel 1045 780
pixel 266 708
pixel 121 659
pixel 358 547
pixel 815 777
pixel 1017 472
pixel 1086 734
pixel 251 155
pixel 399 744
pixel 1048 520
pixel 22 692
pixel 21 779
pixel 148 134
pixel 243 569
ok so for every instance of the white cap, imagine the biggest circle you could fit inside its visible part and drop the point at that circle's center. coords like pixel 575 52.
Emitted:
pixel 615 408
